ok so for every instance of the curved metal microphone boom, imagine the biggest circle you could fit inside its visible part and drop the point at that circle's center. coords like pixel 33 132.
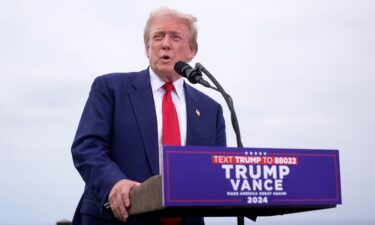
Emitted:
pixel 195 76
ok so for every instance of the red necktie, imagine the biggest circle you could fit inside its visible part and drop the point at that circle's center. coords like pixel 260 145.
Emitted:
pixel 170 135
pixel 171 128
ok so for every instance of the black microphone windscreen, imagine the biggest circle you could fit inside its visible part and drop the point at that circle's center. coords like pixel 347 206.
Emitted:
pixel 180 67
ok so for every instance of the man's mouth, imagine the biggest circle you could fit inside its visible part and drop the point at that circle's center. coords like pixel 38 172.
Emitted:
pixel 165 57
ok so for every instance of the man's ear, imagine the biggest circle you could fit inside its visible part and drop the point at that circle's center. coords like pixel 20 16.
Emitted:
pixel 147 47
pixel 191 54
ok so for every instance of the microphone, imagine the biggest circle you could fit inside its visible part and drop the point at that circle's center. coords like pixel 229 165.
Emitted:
pixel 194 75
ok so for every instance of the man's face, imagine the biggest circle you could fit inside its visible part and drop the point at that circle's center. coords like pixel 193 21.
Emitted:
pixel 168 43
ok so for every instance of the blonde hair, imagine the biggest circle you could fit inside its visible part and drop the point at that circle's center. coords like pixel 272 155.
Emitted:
pixel 187 19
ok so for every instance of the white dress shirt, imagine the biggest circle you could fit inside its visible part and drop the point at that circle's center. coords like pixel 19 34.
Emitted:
pixel 178 97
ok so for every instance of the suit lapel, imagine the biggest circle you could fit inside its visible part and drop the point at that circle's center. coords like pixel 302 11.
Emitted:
pixel 144 108
pixel 193 116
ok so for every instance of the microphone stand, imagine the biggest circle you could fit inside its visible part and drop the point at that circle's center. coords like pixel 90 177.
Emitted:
pixel 229 101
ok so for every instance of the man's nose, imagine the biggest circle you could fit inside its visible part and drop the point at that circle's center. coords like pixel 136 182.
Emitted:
pixel 166 43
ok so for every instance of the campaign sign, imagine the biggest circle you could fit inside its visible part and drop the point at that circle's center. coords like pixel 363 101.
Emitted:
pixel 220 176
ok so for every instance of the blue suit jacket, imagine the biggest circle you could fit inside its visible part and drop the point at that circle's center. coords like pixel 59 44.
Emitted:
pixel 117 139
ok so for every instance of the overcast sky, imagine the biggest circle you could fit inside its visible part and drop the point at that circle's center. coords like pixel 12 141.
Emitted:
pixel 301 73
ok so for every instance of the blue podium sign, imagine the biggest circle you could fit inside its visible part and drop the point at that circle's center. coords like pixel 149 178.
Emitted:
pixel 220 176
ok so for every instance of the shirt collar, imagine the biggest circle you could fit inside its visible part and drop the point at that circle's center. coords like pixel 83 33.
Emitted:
pixel 157 84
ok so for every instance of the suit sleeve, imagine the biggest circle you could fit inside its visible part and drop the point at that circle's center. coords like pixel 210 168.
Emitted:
pixel 91 145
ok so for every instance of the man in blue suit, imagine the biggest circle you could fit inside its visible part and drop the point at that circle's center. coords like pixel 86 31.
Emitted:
pixel 119 139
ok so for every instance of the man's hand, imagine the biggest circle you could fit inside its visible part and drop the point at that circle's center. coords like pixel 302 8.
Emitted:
pixel 119 198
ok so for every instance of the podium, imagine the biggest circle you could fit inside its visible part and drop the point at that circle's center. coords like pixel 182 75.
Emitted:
pixel 251 182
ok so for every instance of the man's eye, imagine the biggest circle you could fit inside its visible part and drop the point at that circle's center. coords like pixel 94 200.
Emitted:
pixel 157 37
